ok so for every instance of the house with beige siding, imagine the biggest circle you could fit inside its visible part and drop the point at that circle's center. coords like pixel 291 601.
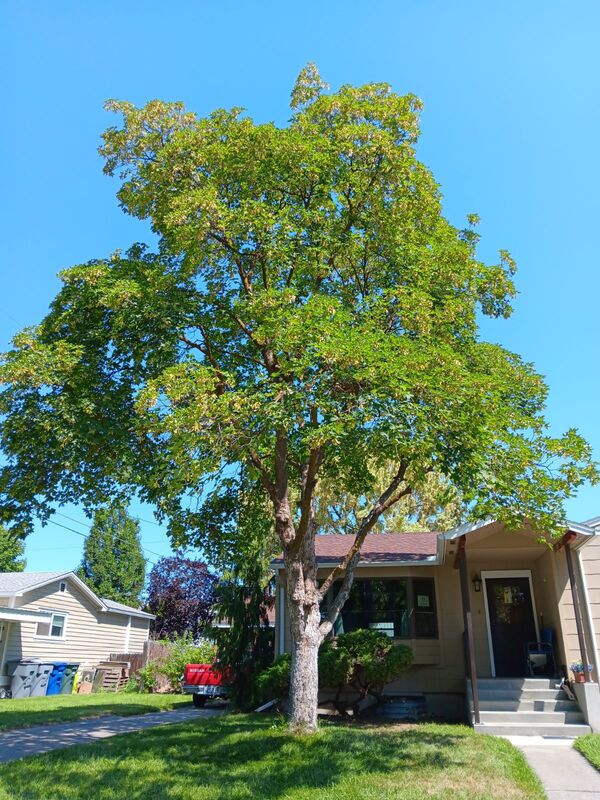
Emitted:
pixel 495 619
pixel 55 616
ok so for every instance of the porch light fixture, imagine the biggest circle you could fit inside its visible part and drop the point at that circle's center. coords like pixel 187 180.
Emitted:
pixel 477 583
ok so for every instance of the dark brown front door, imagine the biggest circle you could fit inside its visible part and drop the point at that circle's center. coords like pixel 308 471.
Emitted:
pixel 512 624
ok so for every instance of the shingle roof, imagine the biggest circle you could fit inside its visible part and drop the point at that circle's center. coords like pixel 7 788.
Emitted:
pixel 377 547
pixel 11 582
pixel 112 605
pixel 16 582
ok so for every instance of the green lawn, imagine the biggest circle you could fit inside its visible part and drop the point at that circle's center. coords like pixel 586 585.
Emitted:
pixel 590 747
pixel 240 757
pixel 66 707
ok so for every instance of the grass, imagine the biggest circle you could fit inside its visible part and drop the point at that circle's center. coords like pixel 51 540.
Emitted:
pixel 67 707
pixel 589 746
pixel 243 757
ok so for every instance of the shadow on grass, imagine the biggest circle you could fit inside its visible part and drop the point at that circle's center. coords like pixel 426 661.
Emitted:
pixel 26 718
pixel 232 757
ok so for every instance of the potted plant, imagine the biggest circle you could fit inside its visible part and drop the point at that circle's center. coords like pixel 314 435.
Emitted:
pixel 577 669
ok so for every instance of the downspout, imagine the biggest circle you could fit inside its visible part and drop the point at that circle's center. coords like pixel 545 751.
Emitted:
pixel 127 634
pixel 588 613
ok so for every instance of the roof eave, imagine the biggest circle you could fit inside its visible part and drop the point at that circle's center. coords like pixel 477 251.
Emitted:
pixel 579 528
pixel 428 561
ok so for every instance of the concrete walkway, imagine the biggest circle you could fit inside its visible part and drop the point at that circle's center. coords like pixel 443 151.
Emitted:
pixel 564 773
pixel 43 738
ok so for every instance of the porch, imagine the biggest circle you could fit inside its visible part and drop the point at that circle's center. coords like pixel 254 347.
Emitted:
pixel 9 617
pixel 527 616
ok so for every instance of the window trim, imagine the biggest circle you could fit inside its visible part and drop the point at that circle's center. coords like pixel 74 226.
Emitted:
pixel 412 608
pixel 48 636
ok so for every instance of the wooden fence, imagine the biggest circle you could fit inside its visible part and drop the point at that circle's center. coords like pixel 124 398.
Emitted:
pixel 153 651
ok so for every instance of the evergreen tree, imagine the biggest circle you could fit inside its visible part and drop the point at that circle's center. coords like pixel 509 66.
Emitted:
pixel 113 563
pixel 12 550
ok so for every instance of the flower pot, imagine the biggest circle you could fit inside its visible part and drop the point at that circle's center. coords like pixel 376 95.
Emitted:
pixel 579 677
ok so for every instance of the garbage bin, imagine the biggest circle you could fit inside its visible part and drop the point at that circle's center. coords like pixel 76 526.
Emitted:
pixel 56 677
pixel 23 674
pixel 66 687
pixel 43 670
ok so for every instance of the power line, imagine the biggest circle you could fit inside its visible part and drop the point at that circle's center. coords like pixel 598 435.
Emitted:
pixel 85 536
pixel 87 525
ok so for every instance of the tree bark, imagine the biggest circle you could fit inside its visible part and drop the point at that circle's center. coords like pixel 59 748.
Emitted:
pixel 304 595
pixel 304 678
pixel 305 619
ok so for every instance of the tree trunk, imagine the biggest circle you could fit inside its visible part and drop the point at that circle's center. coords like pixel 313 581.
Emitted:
pixel 304 685
pixel 305 619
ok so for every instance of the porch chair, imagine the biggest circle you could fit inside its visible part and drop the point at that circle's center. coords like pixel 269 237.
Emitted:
pixel 539 657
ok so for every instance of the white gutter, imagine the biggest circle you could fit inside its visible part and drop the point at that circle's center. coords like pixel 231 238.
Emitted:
pixel 588 612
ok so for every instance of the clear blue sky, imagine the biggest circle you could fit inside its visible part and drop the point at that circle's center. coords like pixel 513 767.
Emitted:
pixel 510 129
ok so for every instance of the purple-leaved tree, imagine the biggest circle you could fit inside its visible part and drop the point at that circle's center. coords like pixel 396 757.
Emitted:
pixel 181 594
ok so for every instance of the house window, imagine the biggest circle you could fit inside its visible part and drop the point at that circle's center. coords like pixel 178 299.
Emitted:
pixel 54 629
pixel 403 608
pixel 62 586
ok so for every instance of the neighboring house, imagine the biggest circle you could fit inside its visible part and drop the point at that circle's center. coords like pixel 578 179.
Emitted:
pixel 478 597
pixel 55 616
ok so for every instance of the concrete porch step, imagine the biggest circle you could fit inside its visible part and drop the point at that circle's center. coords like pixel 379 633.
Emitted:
pixel 517 684
pixel 527 729
pixel 527 705
pixel 533 717
pixel 512 695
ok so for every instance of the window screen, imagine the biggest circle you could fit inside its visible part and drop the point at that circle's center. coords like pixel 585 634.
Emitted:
pixel 55 628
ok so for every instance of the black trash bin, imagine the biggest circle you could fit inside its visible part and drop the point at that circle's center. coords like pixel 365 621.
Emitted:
pixel 66 686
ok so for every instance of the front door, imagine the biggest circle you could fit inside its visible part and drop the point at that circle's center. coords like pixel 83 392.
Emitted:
pixel 512 623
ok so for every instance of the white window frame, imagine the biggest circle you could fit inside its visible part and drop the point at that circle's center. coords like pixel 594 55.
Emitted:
pixel 49 637
pixel 505 573
pixel 62 587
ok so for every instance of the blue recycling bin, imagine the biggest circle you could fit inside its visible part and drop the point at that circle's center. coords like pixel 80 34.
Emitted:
pixel 56 677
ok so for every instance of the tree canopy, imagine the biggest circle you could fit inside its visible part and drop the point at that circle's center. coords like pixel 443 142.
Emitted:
pixel 113 563
pixel 12 552
pixel 308 314
pixel 181 594
pixel 307 297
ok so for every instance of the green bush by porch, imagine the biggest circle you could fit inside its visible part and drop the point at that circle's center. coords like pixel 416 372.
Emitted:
pixel 248 757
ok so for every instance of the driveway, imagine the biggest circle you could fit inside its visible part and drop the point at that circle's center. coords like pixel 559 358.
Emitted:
pixel 43 738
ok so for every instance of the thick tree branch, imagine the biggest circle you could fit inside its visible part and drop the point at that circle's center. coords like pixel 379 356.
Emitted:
pixel 387 499
pixel 308 482
pixel 265 478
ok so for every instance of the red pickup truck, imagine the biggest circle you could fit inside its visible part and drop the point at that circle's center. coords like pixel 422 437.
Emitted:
pixel 204 682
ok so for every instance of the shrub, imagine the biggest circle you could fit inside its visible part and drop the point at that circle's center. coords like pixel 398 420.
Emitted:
pixel 357 664
pixel 182 650
pixel 274 681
